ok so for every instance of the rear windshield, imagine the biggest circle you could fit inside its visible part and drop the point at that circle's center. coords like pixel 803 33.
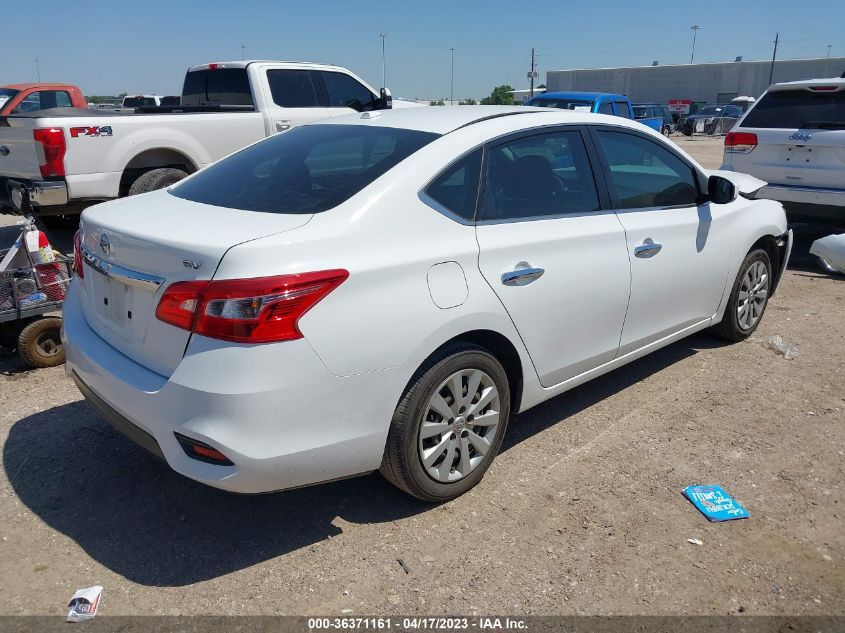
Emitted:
pixel 221 86
pixel 138 102
pixel 563 104
pixel 6 94
pixel 306 170
pixel 793 109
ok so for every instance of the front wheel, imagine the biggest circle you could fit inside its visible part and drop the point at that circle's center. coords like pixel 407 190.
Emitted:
pixel 666 130
pixel 448 425
pixel 749 297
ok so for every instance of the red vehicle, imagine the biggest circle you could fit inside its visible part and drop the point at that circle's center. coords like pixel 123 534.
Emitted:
pixel 16 98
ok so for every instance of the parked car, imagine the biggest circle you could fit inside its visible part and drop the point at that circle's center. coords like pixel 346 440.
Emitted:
pixel 59 162
pixel 794 138
pixel 343 297
pixel 714 119
pixel 141 101
pixel 656 111
pixel 16 98
pixel 599 102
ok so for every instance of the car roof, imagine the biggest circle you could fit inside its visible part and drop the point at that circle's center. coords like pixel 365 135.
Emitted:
pixel 807 83
pixel 26 86
pixel 579 95
pixel 244 63
pixel 446 119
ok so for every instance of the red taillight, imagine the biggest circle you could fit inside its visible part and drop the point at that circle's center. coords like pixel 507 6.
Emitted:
pixel 740 141
pixel 53 141
pixel 77 255
pixel 212 66
pixel 259 310
pixel 824 88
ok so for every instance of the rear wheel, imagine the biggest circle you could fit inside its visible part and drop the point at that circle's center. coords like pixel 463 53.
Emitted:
pixel 156 179
pixel 666 130
pixel 749 297
pixel 40 343
pixel 449 425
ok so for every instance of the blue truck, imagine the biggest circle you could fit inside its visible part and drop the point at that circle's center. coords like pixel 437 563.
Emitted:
pixel 600 102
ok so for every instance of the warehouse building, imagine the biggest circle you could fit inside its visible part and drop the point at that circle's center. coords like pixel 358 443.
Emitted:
pixel 713 83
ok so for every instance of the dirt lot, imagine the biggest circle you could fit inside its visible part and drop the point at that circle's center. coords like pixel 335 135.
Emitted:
pixel 581 513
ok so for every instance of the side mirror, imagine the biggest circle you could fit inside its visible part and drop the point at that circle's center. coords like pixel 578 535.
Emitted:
pixel 720 190
pixel 386 99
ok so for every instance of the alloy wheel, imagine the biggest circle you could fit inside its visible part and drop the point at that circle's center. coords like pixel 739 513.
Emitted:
pixel 458 425
pixel 753 294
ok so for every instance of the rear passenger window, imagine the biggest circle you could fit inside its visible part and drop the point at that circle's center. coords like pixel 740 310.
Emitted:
pixel 292 88
pixel 644 174
pixel 457 187
pixel 606 108
pixel 622 110
pixel 346 92
pixel 543 175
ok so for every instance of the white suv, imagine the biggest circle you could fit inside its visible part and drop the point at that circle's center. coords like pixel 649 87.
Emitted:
pixel 794 139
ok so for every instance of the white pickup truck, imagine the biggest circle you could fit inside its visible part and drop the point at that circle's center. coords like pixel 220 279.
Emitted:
pixel 62 160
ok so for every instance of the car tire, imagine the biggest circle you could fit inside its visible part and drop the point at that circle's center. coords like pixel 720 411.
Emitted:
pixel 666 130
pixel 457 452
pixel 156 179
pixel 737 324
pixel 40 343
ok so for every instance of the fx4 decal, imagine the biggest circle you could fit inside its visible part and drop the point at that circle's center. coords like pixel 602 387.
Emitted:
pixel 92 130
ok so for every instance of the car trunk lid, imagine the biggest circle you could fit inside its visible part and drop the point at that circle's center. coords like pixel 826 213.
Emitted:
pixel 135 248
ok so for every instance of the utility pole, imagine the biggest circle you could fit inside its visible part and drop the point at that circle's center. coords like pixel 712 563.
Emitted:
pixel 829 46
pixel 695 29
pixel 383 36
pixel 533 73
pixel 243 52
pixel 452 83
pixel 774 54
pixel 37 70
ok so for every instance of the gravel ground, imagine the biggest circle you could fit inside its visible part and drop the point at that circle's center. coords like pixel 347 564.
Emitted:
pixel 581 513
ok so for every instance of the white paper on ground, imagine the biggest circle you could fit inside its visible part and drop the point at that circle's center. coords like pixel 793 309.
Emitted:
pixel 83 605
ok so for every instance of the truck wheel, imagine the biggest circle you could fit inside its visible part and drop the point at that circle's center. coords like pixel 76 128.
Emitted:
pixel 666 130
pixel 40 343
pixel 156 179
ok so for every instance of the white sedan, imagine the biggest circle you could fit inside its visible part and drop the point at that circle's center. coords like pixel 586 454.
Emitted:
pixel 384 291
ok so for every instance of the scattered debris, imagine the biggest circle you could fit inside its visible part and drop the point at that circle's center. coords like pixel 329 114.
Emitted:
pixel 714 503
pixel 831 251
pixel 403 565
pixel 827 557
pixel 699 565
pixel 695 541
pixel 787 349
pixel 427 559
pixel 83 606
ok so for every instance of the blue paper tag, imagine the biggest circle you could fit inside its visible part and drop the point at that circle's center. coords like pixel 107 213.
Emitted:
pixel 714 503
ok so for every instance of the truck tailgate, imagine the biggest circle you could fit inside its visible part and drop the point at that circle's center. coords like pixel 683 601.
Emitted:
pixel 20 155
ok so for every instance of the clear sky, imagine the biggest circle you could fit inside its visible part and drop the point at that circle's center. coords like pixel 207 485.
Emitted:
pixel 145 47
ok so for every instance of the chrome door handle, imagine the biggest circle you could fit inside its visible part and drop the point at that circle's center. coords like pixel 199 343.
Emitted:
pixel 649 248
pixel 522 276
pixel 281 126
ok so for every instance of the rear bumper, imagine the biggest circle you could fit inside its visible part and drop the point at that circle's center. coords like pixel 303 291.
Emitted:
pixel 807 201
pixel 24 195
pixel 274 410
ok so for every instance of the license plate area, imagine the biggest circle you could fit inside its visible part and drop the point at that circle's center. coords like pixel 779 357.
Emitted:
pixel 121 306
pixel 800 156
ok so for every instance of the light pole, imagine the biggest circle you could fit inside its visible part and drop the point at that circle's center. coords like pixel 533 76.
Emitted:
pixel 829 46
pixel 243 52
pixel 695 29
pixel 37 70
pixel 383 37
pixel 452 82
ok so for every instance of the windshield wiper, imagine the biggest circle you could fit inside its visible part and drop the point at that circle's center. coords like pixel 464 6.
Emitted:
pixel 823 125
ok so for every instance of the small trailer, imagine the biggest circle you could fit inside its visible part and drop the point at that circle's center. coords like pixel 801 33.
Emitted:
pixel 33 284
